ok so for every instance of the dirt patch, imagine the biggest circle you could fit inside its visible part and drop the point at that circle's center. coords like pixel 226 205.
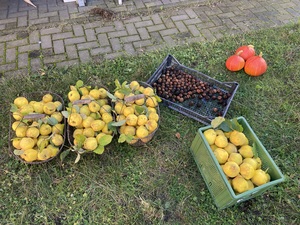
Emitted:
pixel 22 34
pixel 34 54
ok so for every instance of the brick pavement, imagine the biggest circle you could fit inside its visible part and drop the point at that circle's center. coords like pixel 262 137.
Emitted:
pixel 63 34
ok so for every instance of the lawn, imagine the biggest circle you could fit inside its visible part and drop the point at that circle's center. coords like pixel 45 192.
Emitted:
pixel 159 183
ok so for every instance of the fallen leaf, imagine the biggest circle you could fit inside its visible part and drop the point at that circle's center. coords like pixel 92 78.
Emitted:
pixel 177 135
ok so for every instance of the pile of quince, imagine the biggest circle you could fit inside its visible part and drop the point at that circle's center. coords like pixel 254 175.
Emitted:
pixel 89 116
pixel 37 127
pixel 238 159
pixel 137 112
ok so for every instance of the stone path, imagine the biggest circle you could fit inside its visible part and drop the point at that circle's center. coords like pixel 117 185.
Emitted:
pixel 63 34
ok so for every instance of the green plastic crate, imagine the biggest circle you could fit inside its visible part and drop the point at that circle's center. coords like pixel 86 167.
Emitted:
pixel 215 179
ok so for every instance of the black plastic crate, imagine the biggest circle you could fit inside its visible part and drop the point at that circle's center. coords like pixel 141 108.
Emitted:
pixel 198 107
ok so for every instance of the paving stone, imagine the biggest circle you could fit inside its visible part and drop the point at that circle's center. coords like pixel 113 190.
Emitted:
pixel 90 35
pixel 78 30
pixel 63 15
pixel 87 45
pixel 131 30
pixel 33 15
pixel 34 37
pixel 192 21
pixel 11 54
pixel 169 41
pixel 180 17
pixel 156 38
pixel 132 20
pixel 35 64
pixel 22 60
pixel 208 35
pixel 156 27
pixel 113 55
pixel 22 21
pixel 51 30
pixel 53 19
pixel 39 21
pixel 141 44
pixel 143 24
pixel 28 48
pixel 168 23
pixel 156 19
pixel 9 37
pixel 49 14
pixel 143 33
pixel 119 25
pixel 101 50
pixel 103 39
pixel 168 31
pixel 117 34
pixel 129 49
pixel 58 46
pixel 71 52
pixel 46 41
pixel 76 40
pixel 6 21
pixel 132 38
pixel 181 26
pixel 16 43
pixel 63 35
pixel 84 56
pixel 115 44
pixel 54 59
pixel 10 26
pixel 191 13
pixel 104 29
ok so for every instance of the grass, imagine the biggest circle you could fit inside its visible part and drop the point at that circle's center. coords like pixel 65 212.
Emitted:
pixel 159 183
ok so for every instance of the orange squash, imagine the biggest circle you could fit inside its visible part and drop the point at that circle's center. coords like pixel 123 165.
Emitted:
pixel 235 62
pixel 255 66
pixel 248 51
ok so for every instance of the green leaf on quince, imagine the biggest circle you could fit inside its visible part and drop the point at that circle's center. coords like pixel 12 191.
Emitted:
pixel 111 96
pixel 18 152
pixel 80 138
pixel 52 121
pixel 65 114
pixel 119 123
pixel 99 150
pixel 105 140
pixel 13 107
pixel 122 138
pixel 158 99
pixel 217 121
pixel 236 125
pixel 141 109
pixel 254 150
pixel 118 84
pixel 129 138
pixel 64 154
pixel 79 84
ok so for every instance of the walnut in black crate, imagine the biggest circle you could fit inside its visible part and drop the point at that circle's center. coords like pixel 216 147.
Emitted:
pixel 191 92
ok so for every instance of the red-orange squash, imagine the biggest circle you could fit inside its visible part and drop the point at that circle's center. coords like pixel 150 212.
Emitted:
pixel 235 62
pixel 247 51
pixel 255 66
